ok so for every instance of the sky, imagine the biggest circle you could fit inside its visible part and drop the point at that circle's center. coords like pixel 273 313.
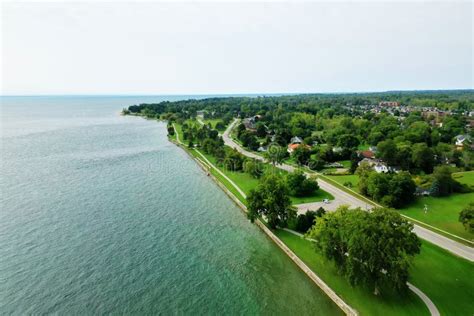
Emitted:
pixel 234 47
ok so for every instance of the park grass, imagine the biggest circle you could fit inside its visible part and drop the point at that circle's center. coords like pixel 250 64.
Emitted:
pixel 341 179
pixel 345 163
pixel 359 297
pixel 213 122
pixel 445 278
pixel 443 212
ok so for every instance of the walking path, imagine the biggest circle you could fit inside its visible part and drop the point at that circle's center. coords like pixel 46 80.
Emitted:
pixel 341 197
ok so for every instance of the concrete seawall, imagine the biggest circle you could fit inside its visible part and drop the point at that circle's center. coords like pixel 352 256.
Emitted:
pixel 346 308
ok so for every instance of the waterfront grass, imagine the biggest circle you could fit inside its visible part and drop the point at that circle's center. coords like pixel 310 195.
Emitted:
pixel 359 297
pixel 445 278
pixel 246 182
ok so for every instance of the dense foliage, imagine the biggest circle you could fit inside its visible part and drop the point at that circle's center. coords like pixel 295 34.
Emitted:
pixel 466 217
pixel 391 189
pixel 370 248
pixel 300 185
pixel 271 199
pixel 305 221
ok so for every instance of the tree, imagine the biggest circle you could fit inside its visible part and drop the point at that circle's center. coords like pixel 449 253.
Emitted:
pixel 275 154
pixel 305 221
pixel 253 167
pixel 220 126
pixel 261 129
pixel 466 217
pixel 387 151
pixel 316 163
pixel 364 171
pixel 444 182
pixel 170 130
pixel 377 185
pixel 299 185
pixel 401 189
pixel 374 249
pixel 348 141
pixel 301 154
pixel 271 199
pixel 422 157
pixel 233 160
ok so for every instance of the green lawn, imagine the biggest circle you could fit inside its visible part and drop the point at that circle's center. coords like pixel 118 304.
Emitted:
pixel 345 163
pixel 443 212
pixel 465 177
pixel 352 178
pixel 445 278
pixel 213 122
pixel 318 196
pixel 360 298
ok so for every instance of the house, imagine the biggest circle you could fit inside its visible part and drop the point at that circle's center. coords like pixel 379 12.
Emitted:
pixel 337 149
pixel 381 167
pixel 422 192
pixel 250 123
pixel 296 140
pixel 389 103
pixel 201 114
pixel 292 147
pixel 370 161
pixel 262 149
pixel 378 165
pixel 462 140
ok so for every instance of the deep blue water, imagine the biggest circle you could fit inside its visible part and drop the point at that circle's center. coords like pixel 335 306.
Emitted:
pixel 101 214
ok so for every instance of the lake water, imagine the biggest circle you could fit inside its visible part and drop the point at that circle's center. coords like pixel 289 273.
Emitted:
pixel 102 214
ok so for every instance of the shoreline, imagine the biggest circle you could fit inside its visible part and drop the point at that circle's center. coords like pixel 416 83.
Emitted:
pixel 346 308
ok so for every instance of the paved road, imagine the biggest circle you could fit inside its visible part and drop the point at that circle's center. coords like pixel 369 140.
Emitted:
pixel 344 198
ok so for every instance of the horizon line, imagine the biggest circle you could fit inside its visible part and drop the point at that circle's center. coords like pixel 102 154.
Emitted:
pixel 225 94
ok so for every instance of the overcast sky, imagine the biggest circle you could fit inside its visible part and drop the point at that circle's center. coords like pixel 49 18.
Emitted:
pixel 203 48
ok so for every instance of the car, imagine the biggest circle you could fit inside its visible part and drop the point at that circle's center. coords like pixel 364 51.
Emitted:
pixel 326 201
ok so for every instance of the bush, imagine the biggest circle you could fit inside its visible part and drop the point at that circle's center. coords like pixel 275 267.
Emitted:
pixel 466 217
pixel 254 168
pixel 220 126
pixel 299 185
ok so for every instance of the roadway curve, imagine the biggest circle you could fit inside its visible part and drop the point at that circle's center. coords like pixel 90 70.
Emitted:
pixel 341 197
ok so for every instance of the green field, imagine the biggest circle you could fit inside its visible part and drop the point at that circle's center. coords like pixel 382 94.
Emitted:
pixel 445 278
pixel 352 178
pixel 213 122
pixel 443 212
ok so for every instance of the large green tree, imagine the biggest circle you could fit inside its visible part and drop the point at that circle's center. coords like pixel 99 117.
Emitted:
pixel 374 249
pixel 275 154
pixel 271 199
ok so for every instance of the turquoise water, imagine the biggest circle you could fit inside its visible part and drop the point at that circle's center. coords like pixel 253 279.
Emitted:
pixel 101 214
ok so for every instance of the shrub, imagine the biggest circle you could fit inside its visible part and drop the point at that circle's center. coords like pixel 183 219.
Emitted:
pixel 466 217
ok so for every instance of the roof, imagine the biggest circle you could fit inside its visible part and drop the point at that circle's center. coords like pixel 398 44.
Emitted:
pixel 294 146
pixel 367 153
pixel 296 140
